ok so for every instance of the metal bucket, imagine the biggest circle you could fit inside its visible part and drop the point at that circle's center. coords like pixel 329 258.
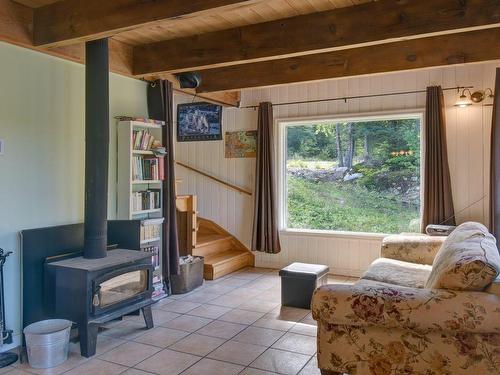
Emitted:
pixel 47 342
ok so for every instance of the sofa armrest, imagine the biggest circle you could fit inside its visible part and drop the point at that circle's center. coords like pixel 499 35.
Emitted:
pixel 494 287
pixel 412 248
pixel 370 303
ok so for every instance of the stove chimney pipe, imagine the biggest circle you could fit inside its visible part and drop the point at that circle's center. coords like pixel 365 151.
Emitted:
pixel 96 148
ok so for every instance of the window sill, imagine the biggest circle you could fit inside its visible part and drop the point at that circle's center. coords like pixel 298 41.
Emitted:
pixel 332 233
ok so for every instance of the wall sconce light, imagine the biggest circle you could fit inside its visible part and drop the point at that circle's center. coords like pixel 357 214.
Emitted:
pixel 474 98
pixel 464 100
pixel 484 95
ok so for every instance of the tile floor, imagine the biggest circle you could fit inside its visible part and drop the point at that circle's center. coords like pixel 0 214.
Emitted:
pixel 233 325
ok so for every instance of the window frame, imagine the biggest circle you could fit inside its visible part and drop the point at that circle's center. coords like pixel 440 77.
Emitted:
pixel 281 124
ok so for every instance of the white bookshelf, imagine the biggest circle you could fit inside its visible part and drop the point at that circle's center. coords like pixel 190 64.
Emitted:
pixel 126 185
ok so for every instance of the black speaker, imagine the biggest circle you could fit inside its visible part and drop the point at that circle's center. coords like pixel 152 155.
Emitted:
pixel 189 80
pixel 155 101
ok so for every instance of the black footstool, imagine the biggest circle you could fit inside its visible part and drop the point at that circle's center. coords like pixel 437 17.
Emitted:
pixel 298 282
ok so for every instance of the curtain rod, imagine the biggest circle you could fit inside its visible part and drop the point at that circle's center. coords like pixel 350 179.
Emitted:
pixel 346 98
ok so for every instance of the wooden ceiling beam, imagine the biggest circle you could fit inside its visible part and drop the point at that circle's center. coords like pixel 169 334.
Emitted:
pixel 15 28
pixel 70 21
pixel 472 46
pixel 366 24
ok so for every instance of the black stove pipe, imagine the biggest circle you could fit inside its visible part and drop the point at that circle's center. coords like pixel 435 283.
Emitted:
pixel 96 148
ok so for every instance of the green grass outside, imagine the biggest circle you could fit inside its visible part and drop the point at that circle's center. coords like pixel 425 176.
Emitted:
pixel 310 164
pixel 347 207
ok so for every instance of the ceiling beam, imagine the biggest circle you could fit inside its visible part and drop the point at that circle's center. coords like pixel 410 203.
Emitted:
pixel 15 27
pixel 371 23
pixel 70 21
pixel 473 46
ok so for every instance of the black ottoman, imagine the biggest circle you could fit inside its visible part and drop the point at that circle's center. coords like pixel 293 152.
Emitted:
pixel 298 282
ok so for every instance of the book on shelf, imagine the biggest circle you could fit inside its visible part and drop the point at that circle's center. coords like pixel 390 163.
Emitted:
pixel 142 140
pixel 155 255
pixel 147 168
pixel 158 288
pixel 149 232
pixel 146 200
pixel 157 279
pixel 158 294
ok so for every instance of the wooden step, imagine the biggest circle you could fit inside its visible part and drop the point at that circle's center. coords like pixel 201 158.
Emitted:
pixel 208 237
pixel 212 243
pixel 223 263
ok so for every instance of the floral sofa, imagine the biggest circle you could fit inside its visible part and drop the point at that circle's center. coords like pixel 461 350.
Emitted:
pixel 429 305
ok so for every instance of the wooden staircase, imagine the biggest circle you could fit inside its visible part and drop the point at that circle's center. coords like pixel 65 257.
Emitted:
pixel 223 253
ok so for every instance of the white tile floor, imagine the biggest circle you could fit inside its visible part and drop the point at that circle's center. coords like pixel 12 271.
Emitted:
pixel 233 325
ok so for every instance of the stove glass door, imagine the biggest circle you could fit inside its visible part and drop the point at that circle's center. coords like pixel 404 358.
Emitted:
pixel 121 288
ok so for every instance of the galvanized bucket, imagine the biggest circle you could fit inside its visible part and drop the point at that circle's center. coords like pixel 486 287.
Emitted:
pixel 47 342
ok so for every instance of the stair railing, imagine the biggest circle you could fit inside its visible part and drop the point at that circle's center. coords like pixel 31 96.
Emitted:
pixel 222 182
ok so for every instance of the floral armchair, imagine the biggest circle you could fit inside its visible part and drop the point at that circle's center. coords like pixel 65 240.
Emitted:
pixel 427 306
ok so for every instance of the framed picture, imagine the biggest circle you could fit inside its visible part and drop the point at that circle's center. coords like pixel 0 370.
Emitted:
pixel 241 144
pixel 199 122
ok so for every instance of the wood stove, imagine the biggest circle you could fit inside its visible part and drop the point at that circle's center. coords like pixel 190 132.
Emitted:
pixel 101 285
pixel 91 292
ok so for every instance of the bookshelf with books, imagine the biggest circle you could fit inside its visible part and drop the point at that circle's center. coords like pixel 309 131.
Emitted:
pixel 139 186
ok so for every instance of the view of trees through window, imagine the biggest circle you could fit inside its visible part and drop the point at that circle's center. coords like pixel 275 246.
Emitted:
pixel 359 176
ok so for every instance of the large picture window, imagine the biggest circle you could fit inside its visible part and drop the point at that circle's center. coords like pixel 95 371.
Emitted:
pixel 359 174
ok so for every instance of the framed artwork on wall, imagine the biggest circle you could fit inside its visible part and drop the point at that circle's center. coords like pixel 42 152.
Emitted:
pixel 200 121
pixel 241 144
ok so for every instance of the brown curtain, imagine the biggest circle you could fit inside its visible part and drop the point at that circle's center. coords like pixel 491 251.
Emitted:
pixel 161 107
pixel 438 199
pixel 495 163
pixel 265 222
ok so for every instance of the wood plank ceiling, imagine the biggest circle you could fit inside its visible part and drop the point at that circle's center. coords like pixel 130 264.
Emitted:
pixel 257 48
pixel 244 15
pixel 269 10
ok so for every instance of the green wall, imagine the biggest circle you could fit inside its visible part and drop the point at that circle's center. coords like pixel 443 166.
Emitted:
pixel 42 170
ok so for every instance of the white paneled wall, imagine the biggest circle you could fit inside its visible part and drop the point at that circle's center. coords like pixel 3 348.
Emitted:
pixel 468 148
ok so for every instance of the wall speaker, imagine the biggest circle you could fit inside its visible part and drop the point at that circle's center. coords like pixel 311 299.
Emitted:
pixel 189 80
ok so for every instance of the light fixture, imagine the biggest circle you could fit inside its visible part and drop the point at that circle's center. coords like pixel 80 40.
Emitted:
pixel 474 98
pixel 490 96
pixel 464 101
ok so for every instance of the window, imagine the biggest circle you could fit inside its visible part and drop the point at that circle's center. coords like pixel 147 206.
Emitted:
pixel 358 174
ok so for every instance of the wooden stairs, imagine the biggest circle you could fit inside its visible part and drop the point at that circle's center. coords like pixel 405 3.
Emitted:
pixel 223 253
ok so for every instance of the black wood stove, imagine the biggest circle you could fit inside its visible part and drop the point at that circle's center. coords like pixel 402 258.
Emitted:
pixel 101 285
pixel 91 292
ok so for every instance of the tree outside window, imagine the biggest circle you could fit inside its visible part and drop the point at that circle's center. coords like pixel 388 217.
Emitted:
pixel 360 175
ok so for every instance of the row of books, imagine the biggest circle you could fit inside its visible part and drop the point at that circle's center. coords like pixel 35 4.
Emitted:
pixel 142 140
pixel 155 255
pixel 146 200
pixel 147 168
pixel 149 232
pixel 158 289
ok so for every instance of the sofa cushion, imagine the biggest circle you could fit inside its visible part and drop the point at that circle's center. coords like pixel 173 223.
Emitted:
pixel 397 272
pixel 412 247
pixel 468 260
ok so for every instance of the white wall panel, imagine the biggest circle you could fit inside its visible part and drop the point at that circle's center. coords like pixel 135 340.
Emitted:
pixel 468 148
